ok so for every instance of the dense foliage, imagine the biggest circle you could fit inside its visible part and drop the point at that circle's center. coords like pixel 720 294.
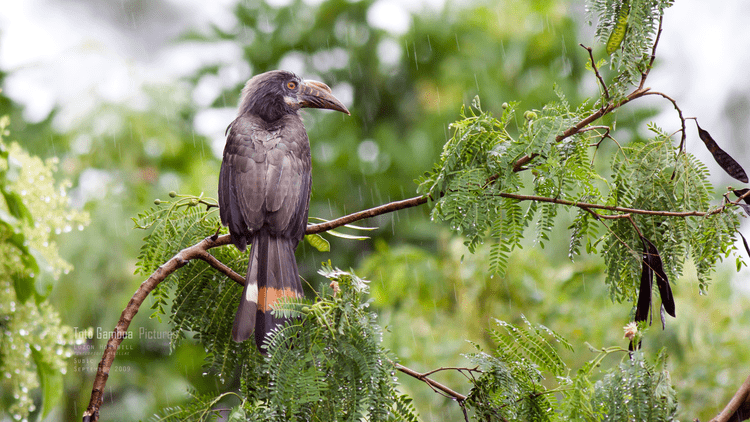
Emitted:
pixel 503 179
pixel 34 343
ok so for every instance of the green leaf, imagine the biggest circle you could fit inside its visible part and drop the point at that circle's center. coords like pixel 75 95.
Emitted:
pixel 23 281
pixel 51 382
pixel 24 286
pixel 318 242
pixel 43 279
pixel 16 206
pixel 237 415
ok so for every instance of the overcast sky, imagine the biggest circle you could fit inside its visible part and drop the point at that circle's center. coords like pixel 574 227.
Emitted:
pixel 78 53
pixel 75 53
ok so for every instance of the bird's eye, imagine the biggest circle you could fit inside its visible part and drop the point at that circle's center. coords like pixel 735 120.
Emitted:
pixel 291 85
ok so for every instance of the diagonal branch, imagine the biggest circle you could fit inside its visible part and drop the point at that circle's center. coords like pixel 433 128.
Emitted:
pixel 460 398
pixel 741 397
pixel 178 261
pixel 575 129
pixel 596 71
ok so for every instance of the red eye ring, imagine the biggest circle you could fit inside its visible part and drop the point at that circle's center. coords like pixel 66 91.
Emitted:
pixel 291 85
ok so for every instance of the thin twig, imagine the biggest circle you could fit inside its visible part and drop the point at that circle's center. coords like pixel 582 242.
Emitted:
pixel 452 368
pixel 635 226
pixel 596 71
pixel 645 73
pixel 573 130
pixel 432 383
pixel 606 135
pixel 212 261
pixel 600 217
pixel 679 113
pixel 587 206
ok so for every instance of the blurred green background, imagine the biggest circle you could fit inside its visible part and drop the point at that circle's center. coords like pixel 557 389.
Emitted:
pixel 404 85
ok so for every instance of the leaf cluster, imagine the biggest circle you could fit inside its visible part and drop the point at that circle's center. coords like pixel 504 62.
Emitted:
pixel 478 166
pixel 34 344
pixel 200 301
pixel 477 188
pixel 629 28
pixel 327 363
pixel 516 381
pixel 655 175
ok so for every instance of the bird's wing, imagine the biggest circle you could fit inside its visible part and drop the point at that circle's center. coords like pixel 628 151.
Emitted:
pixel 265 179
pixel 288 181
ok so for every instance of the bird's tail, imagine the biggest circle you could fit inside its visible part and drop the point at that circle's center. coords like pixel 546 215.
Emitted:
pixel 271 274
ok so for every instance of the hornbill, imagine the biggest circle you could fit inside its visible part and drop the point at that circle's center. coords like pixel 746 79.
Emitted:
pixel 264 191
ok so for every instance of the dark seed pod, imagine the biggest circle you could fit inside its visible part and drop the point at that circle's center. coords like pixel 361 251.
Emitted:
pixel 740 192
pixel 732 167
pixel 644 292
pixel 665 291
pixel 653 266
pixel 744 242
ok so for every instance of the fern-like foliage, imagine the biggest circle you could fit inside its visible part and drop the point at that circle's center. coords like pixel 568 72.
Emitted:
pixel 516 381
pixel 476 188
pixel 511 387
pixel 636 391
pixel 654 175
pixel 478 165
pixel 639 21
pixel 198 300
pixel 328 363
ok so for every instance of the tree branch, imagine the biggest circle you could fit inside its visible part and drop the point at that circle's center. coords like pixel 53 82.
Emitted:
pixel 742 396
pixel 679 113
pixel 460 398
pixel 585 205
pixel 638 93
pixel 120 332
pixel 645 73
pixel 372 212
pixel 596 71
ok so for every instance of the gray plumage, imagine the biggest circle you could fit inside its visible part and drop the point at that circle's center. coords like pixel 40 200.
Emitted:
pixel 264 190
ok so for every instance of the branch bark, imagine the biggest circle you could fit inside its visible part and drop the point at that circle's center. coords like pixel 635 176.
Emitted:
pixel 197 251
pixel 432 383
pixel 731 411
pixel 200 250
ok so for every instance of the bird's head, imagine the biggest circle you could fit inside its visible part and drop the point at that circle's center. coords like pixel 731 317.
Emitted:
pixel 274 94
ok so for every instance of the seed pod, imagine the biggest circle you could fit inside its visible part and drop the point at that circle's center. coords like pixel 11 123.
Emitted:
pixel 732 167
pixel 644 292
pixel 746 205
pixel 740 192
pixel 653 266
pixel 665 291
pixel 621 26
pixel 744 242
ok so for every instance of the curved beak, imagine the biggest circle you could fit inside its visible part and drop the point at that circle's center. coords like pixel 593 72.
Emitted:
pixel 314 94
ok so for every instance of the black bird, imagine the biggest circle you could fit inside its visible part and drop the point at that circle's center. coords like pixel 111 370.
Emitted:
pixel 264 190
